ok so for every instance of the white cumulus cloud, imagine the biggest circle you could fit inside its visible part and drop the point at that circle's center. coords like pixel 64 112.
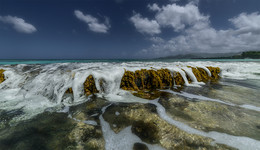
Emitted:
pixel 18 24
pixel 144 25
pixel 247 23
pixel 179 17
pixel 198 36
pixel 93 23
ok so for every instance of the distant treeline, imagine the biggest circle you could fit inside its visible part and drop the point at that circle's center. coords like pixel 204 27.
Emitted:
pixel 248 54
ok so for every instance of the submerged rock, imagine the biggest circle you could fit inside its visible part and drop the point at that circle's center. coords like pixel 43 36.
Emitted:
pixel 213 116
pixel 140 146
pixel 2 76
pixel 150 128
pixel 90 86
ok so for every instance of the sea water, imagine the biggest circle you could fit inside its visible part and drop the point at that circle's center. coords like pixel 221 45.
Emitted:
pixel 35 87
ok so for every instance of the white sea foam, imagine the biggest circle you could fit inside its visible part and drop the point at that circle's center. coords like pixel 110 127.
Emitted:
pixel 199 97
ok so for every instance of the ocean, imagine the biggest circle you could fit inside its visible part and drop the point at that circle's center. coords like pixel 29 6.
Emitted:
pixel 38 112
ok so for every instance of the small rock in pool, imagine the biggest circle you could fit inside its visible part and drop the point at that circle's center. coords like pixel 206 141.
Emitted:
pixel 140 146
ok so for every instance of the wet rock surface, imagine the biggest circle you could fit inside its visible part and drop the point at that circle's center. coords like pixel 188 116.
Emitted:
pixel 150 128
pixel 2 77
pixel 90 86
pixel 213 116
pixel 163 78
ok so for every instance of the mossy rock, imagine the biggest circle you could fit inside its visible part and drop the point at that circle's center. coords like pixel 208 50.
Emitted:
pixel 142 80
pixel 178 79
pixel 90 86
pixel 2 76
pixel 214 72
pixel 166 77
pixel 147 79
pixel 128 81
pixel 200 74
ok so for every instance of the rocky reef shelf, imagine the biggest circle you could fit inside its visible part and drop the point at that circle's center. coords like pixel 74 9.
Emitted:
pixel 126 106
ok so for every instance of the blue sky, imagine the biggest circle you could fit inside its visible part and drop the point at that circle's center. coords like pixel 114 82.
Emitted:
pixel 99 29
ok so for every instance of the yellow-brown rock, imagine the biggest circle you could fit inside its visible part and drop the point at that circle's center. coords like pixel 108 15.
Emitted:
pixel 128 81
pixel 178 78
pixel 204 75
pixel 166 77
pixel 200 74
pixel 2 77
pixel 69 90
pixel 214 72
pixel 147 79
pixel 90 86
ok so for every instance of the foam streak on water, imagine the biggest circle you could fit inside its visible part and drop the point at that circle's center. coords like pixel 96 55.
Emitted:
pixel 242 143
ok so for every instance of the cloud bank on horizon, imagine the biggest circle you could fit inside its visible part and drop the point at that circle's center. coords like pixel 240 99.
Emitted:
pixel 196 35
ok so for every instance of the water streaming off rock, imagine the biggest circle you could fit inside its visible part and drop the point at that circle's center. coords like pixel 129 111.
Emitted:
pixel 119 105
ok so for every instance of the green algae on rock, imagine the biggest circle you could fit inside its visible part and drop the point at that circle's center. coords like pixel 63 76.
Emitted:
pixel 2 76
pixel 90 86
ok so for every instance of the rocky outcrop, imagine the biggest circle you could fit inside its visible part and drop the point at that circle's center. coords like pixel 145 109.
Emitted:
pixel 90 86
pixel 147 80
pixel 2 77
pixel 159 79
pixel 200 74
pixel 214 72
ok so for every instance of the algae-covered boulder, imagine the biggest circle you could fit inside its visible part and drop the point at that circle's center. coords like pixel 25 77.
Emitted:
pixel 2 77
pixel 200 74
pixel 128 81
pixel 166 77
pixel 147 79
pixel 214 72
pixel 90 86
pixel 163 78
pixel 178 79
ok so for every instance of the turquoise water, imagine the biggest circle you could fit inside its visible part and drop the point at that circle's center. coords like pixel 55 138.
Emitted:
pixel 13 62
